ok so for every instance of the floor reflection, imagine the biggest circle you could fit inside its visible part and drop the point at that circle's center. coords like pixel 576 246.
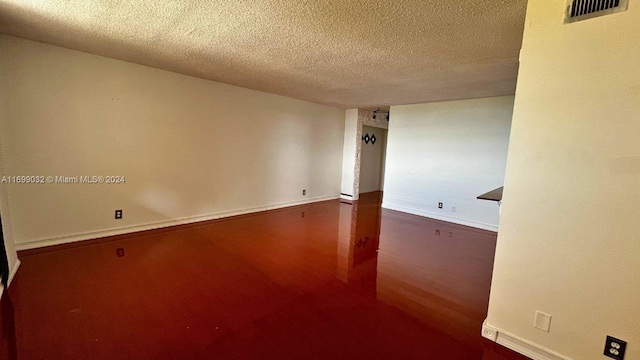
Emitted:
pixel 322 281
pixel 358 239
pixel 437 272
pixel 8 344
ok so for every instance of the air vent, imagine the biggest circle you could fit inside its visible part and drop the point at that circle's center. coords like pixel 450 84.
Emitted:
pixel 585 9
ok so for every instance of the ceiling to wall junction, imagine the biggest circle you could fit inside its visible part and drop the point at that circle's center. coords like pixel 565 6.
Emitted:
pixel 348 54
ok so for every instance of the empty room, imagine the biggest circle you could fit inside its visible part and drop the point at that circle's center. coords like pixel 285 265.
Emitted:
pixel 279 179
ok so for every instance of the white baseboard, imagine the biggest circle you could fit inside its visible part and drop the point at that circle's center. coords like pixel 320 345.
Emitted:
pixel 12 274
pixel 161 224
pixel 519 345
pixel 302 202
pixel 414 208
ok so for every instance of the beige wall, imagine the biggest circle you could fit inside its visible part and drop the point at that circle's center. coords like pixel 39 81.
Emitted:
pixel 569 238
pixel 448 152
pixel 7 232
pixel 190 149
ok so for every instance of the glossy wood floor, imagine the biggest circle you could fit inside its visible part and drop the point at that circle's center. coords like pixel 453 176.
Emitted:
pixel 323 281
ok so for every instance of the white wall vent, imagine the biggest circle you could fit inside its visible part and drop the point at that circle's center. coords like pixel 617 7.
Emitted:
pixel 585 9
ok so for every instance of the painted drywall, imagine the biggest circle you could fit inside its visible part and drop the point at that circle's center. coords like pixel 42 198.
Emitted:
pixel 383 165
pixel 372 159
pixel 7 230
pixel 189 149
pixel 448 152
pixel 569 237
pixel 350 149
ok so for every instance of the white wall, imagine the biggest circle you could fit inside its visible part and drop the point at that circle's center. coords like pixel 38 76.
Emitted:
pixel 569 238
pixel 190 149
pixel 350 149
pixel 448 152
pixel 372 160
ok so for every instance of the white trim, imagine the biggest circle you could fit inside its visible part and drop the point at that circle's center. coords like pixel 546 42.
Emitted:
pixel 161 224
pixel 413 208
pixel 489 332
pixel 519 345
pixel 12 274
pixel 14 271
pixel 302 202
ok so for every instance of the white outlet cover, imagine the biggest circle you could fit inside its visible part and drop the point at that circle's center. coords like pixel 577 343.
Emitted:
pixel 542 321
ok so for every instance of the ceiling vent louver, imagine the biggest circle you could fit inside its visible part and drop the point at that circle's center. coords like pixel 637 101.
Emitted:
pixel 585 9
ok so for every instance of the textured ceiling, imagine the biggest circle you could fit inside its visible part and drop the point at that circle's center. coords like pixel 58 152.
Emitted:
pixel 344 53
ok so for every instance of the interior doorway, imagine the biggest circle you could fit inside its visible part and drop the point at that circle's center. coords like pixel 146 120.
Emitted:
pixel 372 161
pixel 365 139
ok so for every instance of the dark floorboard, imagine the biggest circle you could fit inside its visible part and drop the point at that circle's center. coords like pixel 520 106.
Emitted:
pixel 323 281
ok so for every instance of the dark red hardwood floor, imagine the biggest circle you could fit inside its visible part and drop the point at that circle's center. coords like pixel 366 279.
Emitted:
pixel 323 281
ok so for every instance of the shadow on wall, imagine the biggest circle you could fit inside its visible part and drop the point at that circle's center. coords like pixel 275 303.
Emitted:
pixel 4 261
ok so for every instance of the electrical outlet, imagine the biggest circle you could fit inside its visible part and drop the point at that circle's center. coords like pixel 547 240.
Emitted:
pixel 120 252
pixel 615 348
pixel 437 232
pixel 440 205
pixel 118 214
pixel 304 192
pixel 303 214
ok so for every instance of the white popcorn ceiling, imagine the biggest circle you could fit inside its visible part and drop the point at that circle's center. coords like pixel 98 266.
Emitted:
pixel 343 53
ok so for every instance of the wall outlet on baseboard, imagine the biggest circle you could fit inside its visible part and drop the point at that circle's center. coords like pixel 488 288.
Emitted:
pixel 118 214
pixel 304 192
pixel 440 205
